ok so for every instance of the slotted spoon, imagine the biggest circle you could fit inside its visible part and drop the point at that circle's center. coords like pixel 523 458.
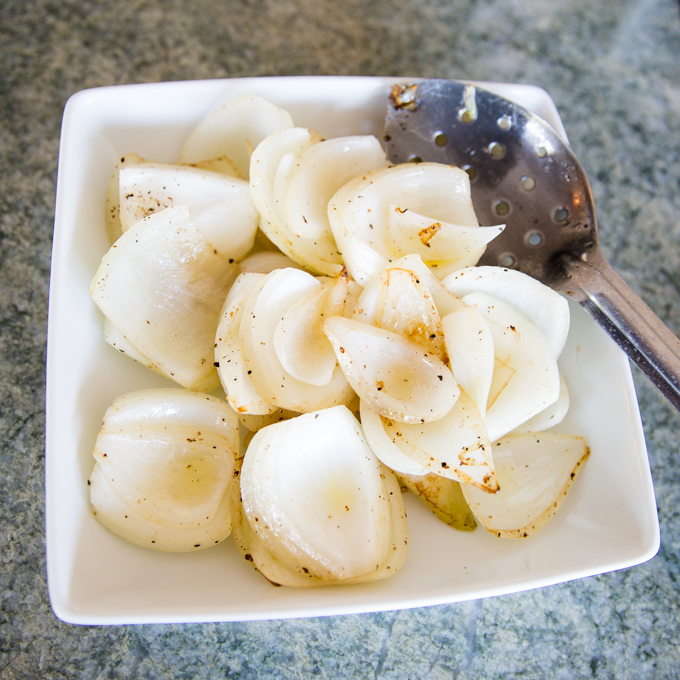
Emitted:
pixel 524 174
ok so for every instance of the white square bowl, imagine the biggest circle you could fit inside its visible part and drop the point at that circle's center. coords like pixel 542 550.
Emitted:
pixel 607 522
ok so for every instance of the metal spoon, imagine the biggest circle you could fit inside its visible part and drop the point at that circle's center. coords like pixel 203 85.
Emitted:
pixel 523 174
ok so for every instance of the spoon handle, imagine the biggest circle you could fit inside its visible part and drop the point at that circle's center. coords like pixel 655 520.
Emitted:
pixel 627 319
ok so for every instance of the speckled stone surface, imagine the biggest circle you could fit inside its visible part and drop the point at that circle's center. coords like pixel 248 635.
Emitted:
pixel 613 69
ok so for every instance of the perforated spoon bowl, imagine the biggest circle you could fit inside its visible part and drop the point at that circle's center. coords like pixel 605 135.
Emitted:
pixel 524 174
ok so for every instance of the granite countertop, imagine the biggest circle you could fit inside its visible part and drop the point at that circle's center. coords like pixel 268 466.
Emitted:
pixel 613 70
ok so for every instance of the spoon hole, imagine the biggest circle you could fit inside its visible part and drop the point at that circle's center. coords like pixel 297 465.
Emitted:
pixel 415 159
pixel 542 152
pixel 528 183
pixel 501 207
pixel 534 238
pixel 504 122
pixel 496 150
pixel 507 260
pixel 440 139
pixel 472 172
pixel 561 214
pixel 467 116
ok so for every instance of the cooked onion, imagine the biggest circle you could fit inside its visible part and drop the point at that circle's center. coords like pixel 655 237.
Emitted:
pixel 455 446
pixel 299 340
pixel 470 348
pixel 164 459
pixel 442 245
pixel 439 358
pixel 272 167
pixel 322 170
pixel 162 285
pixel 263 310
pixel 113 228
pixel 234 130
pixel 400 302
pixel 242 395
pixel 382 445
pixel 360 211
pixel 396 376
pixel 542 305
pixel 534 383
pixel 220 206
pixel 553 415
pixel 535 471
pixel 320 503
pixel 443 496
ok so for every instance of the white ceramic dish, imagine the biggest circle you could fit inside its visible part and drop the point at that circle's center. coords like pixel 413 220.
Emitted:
pixel 608 521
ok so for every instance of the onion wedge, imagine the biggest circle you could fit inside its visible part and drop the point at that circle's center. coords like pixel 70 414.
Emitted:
pixel 234 130
pixel 535 472
pixel 272 167
pixel 444 497
pixel 470 348
pixel 162 284
pixel 445 301
pixel 541 305
pixel 400 302
pixel 113 226
pixel 320 172
pixel 322 508
pixel 535 383
pixel 359 212
pixel 456 446
pixel 118 341
pixel 263 310
pixel 396 376
pixel 382 445
pixel 443 246
pixel 164 459
pixel 553 415
pixel 299 340
pixel 220 206
pixel 242 395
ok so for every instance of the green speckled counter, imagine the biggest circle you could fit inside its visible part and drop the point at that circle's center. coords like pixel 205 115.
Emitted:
pixel 613 70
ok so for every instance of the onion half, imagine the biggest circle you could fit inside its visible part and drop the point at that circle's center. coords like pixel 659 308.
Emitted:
pixel 164 459
pixel 318 507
